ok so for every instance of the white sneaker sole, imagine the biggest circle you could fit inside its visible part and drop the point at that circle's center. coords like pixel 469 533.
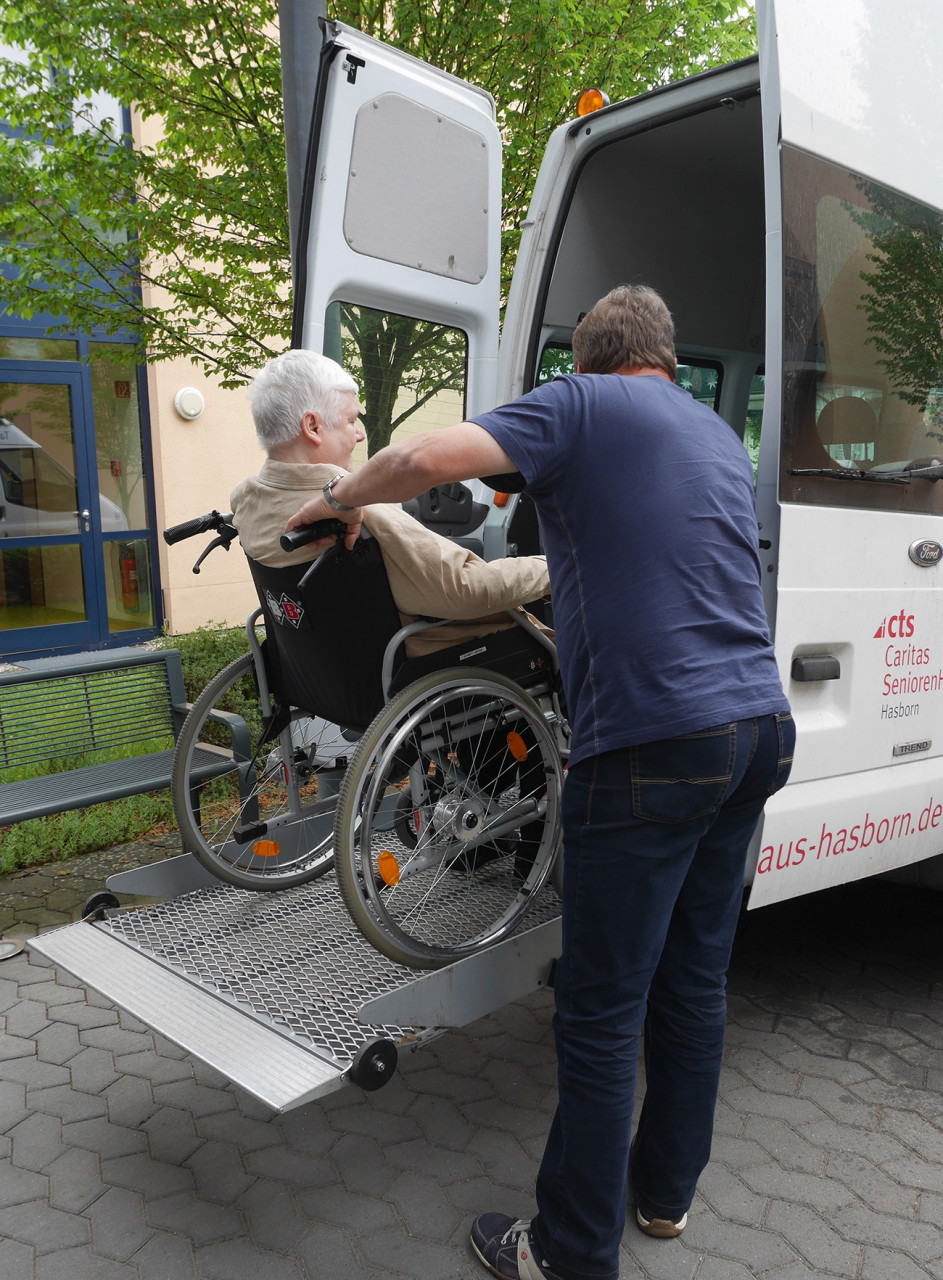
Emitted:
pixel 661 1228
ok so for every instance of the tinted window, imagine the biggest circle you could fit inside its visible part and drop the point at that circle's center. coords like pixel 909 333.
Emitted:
pixel 701 377
pixel 863 348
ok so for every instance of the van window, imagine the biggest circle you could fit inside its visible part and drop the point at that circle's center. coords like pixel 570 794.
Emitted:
pixel 863 352
pixel 754 420
pixel 412 374
pixel 555 362
pixel 702 378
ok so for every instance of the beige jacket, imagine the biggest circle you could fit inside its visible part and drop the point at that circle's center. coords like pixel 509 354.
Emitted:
pixel 429 575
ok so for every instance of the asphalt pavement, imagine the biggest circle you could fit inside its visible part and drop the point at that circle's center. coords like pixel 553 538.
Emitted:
pixel 121 1158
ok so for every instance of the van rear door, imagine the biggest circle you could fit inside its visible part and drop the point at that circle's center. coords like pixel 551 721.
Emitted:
pixel 401 219
pixel 852 512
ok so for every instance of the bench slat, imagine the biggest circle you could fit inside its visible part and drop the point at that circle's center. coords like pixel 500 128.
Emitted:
pixel 95 784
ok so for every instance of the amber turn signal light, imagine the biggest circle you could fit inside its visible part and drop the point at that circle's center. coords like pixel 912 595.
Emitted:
pixel 591 100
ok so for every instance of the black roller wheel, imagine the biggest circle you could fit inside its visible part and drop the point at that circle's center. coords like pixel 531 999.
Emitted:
pixel 95 907
pixel 374 1064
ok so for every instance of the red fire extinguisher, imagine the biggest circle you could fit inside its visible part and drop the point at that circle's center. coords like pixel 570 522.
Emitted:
pixel 129 579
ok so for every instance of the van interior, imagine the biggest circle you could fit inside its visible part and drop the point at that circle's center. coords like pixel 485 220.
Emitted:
pixel 676 199
pixel 680 207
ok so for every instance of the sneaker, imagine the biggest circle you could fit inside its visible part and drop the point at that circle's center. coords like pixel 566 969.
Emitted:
pixel 661 1228
pixel 503 1245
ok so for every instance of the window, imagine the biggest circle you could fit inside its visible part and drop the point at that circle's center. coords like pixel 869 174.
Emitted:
pixel 38 495
pixel 554 363
pixel 117 416
pixel 702 378
pixel 38 349
pixel 411 373
pixel 863 353
pixel 754 421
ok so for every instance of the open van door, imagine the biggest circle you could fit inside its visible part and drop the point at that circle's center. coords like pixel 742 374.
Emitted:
pixel 401 218
pixel 854 194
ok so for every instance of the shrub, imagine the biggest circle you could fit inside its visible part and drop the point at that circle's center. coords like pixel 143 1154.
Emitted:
pixel 204 652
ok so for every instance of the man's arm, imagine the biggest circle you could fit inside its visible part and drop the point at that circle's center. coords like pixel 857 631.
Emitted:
pixel 407 468
pixel 433 576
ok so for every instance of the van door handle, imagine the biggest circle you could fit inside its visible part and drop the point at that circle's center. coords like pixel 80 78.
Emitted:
pixel 816 666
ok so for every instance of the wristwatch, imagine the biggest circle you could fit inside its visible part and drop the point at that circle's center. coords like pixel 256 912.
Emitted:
pixel 329 496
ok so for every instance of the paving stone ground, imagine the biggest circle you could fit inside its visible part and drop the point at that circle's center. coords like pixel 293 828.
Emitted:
pixel 121 1158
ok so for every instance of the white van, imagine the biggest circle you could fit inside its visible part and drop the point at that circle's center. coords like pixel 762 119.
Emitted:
pixel 37 495
pixel 788 208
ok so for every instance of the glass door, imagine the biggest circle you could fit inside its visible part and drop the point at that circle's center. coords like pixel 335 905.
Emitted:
pixel 117 463
pixel 50 515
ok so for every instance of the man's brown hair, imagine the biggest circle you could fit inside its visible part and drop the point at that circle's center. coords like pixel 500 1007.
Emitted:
pixel 630 326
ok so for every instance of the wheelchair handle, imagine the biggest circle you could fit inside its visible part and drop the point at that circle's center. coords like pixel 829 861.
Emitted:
pixel 212 521
pixel 306 533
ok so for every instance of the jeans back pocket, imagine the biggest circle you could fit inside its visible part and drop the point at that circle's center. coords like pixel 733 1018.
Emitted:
pixel 678 779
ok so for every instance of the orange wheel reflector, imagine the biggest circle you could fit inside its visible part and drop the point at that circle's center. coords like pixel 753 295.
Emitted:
pixel 516 747
pixel 266 848
pixel 591 100
pixel 388 867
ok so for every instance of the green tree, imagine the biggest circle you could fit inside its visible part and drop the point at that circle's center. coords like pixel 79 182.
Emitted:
pixel 185 241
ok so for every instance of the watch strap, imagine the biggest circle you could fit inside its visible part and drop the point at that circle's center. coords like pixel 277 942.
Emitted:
pixel 329 496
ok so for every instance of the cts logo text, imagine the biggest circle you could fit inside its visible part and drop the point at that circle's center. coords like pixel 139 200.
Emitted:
pixel 899 626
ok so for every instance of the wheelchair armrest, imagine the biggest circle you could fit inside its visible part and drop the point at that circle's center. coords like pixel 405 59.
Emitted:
pixel 395 644
pixel 518 616
pixel 521 618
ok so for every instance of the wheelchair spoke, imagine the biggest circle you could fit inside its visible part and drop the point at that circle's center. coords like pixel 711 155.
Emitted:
pixel 258 811
pixel 469 758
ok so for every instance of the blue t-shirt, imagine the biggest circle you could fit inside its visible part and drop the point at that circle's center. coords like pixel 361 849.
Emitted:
pixel 646 508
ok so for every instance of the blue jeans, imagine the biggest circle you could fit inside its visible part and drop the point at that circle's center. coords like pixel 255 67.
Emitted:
pixel 655 840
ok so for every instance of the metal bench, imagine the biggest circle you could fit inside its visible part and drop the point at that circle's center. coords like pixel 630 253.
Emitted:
pixel 83 703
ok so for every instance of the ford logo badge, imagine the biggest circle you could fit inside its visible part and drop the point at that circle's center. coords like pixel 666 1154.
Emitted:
pixel 925 552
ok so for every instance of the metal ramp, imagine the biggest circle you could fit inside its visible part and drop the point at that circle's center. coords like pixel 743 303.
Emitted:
pixel 279 991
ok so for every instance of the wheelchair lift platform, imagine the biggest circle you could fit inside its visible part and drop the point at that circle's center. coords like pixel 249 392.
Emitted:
pixel 279 991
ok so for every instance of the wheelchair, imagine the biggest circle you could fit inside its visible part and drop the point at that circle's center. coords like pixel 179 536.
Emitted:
pixel 431 785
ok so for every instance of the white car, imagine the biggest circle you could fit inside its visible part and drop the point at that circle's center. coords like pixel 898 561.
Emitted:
pixel 37 495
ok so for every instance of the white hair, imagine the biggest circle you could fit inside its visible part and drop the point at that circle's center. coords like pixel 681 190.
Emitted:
pixel 291 385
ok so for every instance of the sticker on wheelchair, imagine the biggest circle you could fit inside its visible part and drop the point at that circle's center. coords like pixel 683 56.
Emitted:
pixel 285 611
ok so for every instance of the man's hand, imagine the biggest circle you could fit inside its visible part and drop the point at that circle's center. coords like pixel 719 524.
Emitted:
pixel 317 509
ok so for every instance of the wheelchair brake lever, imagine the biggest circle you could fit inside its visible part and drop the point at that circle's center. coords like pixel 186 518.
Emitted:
pixel 221 541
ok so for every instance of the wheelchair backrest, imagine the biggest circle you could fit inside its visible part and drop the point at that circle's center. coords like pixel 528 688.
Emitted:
pixel 327 625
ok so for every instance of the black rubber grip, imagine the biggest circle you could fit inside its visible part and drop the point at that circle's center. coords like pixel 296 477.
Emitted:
pixel 190 528
pixel 306 533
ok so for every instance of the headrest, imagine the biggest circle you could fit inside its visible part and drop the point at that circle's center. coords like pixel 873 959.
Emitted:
pixel 847 420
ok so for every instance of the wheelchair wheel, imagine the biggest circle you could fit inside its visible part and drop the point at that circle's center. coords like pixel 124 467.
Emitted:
pixel 468 756
pixel 257 810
